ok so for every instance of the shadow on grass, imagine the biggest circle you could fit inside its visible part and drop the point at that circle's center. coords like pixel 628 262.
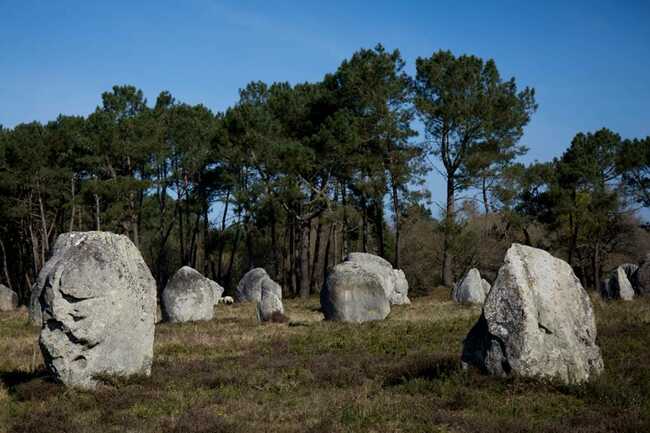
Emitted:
pixel 29 386
pixel 425 367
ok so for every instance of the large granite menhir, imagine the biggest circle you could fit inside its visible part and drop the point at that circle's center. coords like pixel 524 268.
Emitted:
pixel 353 294
pixel 98 303
pixel 472 289
pixel 189 297
pixel 392 280
pixel 537 321
pixel 252 284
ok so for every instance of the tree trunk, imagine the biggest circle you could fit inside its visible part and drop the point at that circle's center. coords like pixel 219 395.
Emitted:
pixel 379 229
pixel 206 234
pixel 235 244
pixel 364 228
pixel 274 246
pixel 72 203
pixel 134 221
pixel 447 277
pixel 45 242
pixel 181 237
pixel 574 239
pixel 250 261
pixel 335 250
pixel 305 229
pixel 596 266
pixel 98 224
pixel 4 265
pixel 292 256
pixel 314 265
pixel 222 240
pixel 326 259
pixel 344 229
pixel 486 203
pixel 396 212
pixel 194 241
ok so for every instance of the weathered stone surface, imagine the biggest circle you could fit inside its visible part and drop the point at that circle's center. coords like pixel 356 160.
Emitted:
pixel 471 289
pixel 35 313
pixel 35 307
pixel 617 286
pixel 392 280
pixel 98 302
pixel 8 299
pixel 250 286
pixel 643 276
pixel 354 294
pixel 537 321
pixel 486 286
pixel 188 297
pixel 400 289
pixel 269 305
pixel 630 270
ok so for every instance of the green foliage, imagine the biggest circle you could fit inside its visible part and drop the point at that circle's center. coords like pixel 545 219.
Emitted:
pixel 633 160
pixel 295 176
pixel 473 122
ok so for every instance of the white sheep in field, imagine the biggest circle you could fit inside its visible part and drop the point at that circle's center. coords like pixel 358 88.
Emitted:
pixel 226 300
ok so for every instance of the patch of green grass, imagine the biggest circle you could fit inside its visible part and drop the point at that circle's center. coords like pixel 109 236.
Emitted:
pixel 403 374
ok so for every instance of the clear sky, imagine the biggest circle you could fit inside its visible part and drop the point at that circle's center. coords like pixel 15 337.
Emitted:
pixel 589 61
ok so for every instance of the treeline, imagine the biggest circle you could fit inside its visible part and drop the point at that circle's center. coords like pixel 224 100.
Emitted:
pixel 292 177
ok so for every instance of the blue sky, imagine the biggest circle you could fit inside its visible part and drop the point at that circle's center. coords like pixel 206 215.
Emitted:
pixel 589 61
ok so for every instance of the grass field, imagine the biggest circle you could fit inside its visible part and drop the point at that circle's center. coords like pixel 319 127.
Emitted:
pixel 399 375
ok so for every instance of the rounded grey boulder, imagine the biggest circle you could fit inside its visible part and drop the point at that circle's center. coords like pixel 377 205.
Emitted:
pixel 392 280
pixel 8 299
pixel 98 303
pixel 471 289
pixel 188 297
pixel 537 321
pixel 250 286
pixel 353 294
pixel 269 306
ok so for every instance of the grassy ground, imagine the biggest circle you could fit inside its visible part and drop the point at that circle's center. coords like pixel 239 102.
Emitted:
pixel 399 375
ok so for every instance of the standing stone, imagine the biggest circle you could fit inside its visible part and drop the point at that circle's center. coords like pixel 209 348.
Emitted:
pixel 471 289
pixel 353 294
pixel 486 286
pixel 270 306
pixel 537 321
pixel 35 313
pixel 400 289
pixel 8 299
pixel 643 276
pixel 188 297
pixel 617 286
pixel 392 280
pixel 98 302
pixel 250 286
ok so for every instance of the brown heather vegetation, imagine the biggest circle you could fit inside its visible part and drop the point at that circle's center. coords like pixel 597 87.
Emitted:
pixel 400 375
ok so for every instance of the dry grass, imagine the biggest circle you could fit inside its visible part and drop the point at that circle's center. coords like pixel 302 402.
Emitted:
pixel 233 374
